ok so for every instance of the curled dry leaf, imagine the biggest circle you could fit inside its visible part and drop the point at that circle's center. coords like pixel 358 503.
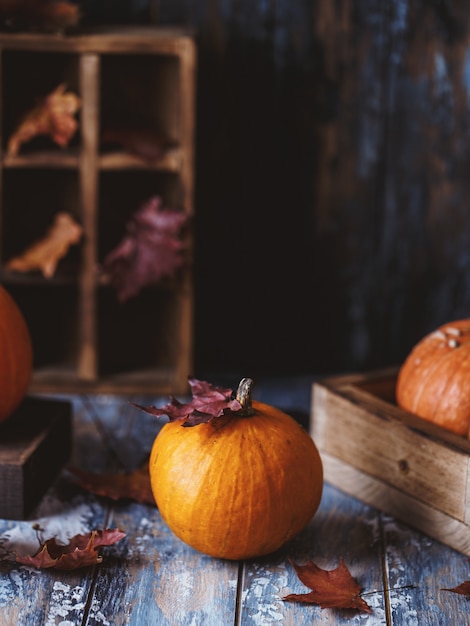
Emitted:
pixel 54 117
pixel 81 551
pixel 133 485
pixel 208 402
pixel 330 588
pixel 151 250
pixel 45 254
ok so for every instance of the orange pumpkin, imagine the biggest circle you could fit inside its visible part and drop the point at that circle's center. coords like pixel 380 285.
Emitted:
pixel 239 486
pixel 433 381
pixel 15 355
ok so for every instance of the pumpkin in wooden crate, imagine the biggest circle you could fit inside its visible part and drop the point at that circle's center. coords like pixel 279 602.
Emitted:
pixel 434 380
pixel 15 355
pixel 233 478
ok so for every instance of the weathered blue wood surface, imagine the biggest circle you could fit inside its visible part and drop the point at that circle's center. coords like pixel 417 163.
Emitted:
pixel 152 578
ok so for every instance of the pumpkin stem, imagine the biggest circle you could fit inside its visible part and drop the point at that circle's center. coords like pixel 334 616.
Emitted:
pixel 244 396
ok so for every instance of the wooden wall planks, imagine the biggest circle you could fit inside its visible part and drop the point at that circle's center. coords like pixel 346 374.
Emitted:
pixel 333 146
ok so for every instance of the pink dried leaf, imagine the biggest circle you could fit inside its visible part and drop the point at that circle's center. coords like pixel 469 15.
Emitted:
pixel 208 402
pixel 151 250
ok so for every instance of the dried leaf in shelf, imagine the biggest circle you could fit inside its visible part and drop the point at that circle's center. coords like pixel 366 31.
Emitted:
pixel 151 250
pixel 44 255
pixel 53 116
pixel 145 144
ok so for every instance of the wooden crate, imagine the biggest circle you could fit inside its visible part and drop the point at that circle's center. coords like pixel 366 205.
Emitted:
pixel 35 442
pixel 391 459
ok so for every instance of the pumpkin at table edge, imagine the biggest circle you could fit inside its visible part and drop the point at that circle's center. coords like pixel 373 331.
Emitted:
pixel 239 486
pixel 16 355
pixel 434 380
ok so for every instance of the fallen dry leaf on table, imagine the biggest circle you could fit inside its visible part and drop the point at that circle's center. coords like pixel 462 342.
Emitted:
pixel 330 588
pixel 208 403
pixel 54 116
pixel 150 251
pixel 45 254
pixel 133 486
pixel 463 589
pixel 80 552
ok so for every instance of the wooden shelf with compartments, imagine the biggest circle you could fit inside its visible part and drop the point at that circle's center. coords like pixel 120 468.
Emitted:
pixel 83 337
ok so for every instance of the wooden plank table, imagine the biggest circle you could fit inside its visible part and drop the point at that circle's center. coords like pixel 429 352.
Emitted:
pixel 151 578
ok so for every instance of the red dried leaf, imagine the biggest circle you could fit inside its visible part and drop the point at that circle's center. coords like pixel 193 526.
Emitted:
pixel 330 589
pixel 80 552
pixel 145 144
pixel 463 589
pixel 208 402
pixel 133 485
pixel 151 250
pixel 54 117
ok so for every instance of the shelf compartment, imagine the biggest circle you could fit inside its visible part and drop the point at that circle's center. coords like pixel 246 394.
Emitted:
pixel 51 313
pixel 135 335
pixel 131 89
pixel 27 79
pixel 31 199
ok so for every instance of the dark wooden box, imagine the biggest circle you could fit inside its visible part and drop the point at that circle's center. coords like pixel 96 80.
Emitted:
pixel 35 443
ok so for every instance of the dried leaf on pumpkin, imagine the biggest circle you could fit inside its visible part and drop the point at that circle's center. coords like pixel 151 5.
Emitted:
pixel 150 251
pixel 329 588
pixel 133 485
pixel 81 551
pixel 463 589
pixel 208 402
pixel 54 117
pixel 45 254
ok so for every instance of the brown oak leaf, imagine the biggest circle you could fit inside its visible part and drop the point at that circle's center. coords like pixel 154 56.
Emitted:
pixel 133 485
pixel 81 551
pixel 53 116
pixel 463 589
pixel 45 254
pixel 144 143
pixel 208 402
pixel 330 588
pixel 151 250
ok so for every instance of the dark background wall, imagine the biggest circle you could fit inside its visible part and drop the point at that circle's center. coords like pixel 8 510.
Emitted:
pixel 333 176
